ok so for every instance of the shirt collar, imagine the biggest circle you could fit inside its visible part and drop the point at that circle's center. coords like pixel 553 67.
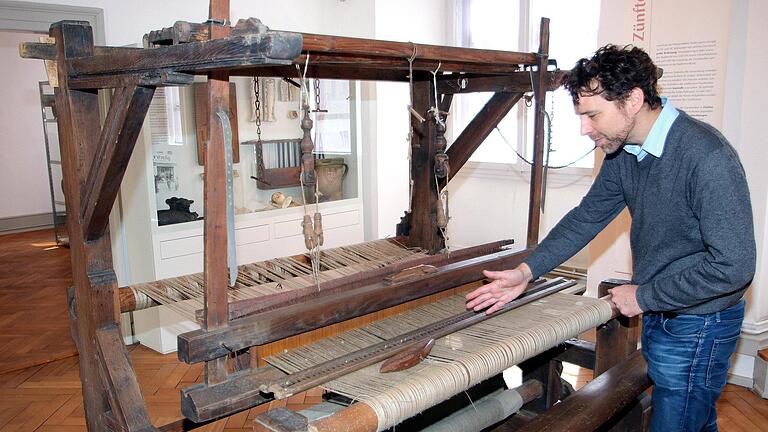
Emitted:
pixel 654 142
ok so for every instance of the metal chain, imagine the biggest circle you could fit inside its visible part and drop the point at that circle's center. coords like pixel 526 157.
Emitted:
pixel 260 169
pixel 317 94
pixel 550 117
pixel 551 120
pixel 257 101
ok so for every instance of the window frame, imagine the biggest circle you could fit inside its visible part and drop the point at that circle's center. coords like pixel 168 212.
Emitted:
pixel 527 37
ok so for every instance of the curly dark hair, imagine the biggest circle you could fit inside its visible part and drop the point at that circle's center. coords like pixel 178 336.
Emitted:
pixel 613 72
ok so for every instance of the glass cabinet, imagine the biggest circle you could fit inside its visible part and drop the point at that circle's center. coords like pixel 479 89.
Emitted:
pixel 266 120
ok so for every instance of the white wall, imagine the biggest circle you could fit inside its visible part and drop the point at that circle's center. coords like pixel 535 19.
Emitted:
pixel 127 21
pixel 489 202
pixel 744 117
pixel 24 188
pixel 425 22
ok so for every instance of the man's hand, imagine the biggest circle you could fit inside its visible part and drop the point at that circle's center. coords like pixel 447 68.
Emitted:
pixel 506 286
pixel 625 299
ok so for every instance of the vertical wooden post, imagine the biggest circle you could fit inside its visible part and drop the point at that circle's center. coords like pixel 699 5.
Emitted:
pixel 537 170
pixel 616 341
pixel 95 286
pixel 423 230
pixel 215 199
pixel 618 338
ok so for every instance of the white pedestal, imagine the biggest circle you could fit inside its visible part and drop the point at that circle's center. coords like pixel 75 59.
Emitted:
pixel 760 374
pixel 158 328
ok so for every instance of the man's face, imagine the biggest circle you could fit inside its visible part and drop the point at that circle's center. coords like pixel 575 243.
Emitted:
pixel 607 123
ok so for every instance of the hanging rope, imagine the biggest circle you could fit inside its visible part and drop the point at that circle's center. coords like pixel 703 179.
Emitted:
pixel 414 113
pixel 443 216
pixel 312 227
pixel 435 110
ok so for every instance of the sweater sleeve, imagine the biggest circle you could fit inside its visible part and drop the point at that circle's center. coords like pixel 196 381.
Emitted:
pixel 719 198
pixel 579 226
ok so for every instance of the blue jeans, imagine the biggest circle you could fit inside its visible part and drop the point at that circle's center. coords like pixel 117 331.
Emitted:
pixel 688 358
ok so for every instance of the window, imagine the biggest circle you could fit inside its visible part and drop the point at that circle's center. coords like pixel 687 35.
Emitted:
pixel 491 24
pixel 487 25
pixel 165 117
pixel 332 124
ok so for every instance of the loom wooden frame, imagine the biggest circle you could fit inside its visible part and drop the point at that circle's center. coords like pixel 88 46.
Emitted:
pixel 95 159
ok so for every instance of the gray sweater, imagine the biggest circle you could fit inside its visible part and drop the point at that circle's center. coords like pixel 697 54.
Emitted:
pixel 692 238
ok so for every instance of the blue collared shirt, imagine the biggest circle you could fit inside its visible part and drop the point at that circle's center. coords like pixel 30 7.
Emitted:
pixel 654 142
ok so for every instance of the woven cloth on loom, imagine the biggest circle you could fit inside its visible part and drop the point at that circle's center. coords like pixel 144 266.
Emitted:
pixel 457 361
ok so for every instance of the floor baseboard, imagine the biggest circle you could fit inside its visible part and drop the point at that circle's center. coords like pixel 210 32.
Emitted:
pixel 25 223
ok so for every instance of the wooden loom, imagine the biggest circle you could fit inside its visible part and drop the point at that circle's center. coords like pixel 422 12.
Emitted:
pixel 95 159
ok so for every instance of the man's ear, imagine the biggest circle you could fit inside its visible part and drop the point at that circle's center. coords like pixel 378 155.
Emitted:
pixel 636 99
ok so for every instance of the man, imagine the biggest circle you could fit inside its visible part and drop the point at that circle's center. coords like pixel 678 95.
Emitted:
pixel 692 236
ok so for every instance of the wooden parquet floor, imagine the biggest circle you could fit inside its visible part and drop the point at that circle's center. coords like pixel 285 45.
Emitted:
pixel 34 276
pixel 738 410
pixel 47 397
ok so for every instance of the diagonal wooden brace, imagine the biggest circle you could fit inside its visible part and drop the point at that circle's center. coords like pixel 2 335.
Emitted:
pixel 125 399
pixel 116 141
pixel 479 128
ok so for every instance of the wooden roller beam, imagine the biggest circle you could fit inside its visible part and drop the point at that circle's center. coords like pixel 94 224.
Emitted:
pixel 131 300
pixel 357 417
pixel 597 402
pixel 360 417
